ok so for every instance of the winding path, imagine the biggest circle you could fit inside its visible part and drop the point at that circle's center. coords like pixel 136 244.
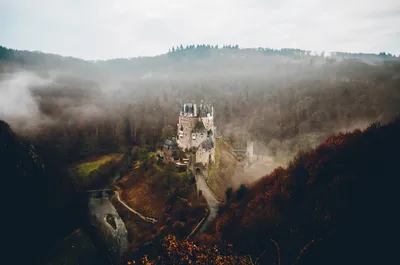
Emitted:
pixel 212 201
pixel 144 218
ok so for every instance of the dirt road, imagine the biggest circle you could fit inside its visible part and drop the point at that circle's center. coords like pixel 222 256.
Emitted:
pixel 212 202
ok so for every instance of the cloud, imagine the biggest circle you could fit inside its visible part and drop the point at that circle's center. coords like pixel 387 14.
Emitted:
pixel 125 28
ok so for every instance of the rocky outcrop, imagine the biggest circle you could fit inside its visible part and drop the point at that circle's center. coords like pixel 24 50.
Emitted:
pixel 106 228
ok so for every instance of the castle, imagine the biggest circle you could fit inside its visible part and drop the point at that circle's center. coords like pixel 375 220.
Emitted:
pixel 196 131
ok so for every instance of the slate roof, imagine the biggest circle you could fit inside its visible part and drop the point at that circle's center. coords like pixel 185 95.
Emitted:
pixel 207 144
pixel 170 144
pixel 204 110
pixel 200 128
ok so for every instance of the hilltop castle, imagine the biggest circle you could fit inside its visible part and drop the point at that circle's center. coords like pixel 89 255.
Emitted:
pixel 196 130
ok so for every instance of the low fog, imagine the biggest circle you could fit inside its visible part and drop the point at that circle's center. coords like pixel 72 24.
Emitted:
pixel 286 103
pixel 17 101
pixel 31 101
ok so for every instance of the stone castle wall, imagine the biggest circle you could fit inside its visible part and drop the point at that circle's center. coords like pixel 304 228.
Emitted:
pixel 199 138
pixel 204 156
pixel 188 124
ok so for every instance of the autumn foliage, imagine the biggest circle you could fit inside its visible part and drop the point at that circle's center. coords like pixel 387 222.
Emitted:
pixel 190 252
pixel 324 196
pixel 320 209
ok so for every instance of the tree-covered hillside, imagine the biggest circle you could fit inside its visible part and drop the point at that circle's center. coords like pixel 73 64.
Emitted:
pixel 191 52
pixel 25 196
pixel 338 194
pixel 331 205
pixel 289 99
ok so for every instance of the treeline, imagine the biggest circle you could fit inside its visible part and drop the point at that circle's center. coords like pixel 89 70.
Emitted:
pixel 38 58
pixel 196 51
pixel 200 47
pixel 204 49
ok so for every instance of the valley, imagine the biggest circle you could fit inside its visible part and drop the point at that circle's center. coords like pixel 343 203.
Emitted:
pixel 196 157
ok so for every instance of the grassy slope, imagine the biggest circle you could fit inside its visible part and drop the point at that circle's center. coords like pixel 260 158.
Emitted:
pixel 83 174
pixel 141 188
pixel 214 167
pixel 85 168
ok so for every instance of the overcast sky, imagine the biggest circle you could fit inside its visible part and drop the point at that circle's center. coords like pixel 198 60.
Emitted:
pixel 104 29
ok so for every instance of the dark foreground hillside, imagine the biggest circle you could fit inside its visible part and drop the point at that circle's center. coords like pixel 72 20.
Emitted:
pixel 338 194
pixel 331 205
pixel 24 194
pixel 34 219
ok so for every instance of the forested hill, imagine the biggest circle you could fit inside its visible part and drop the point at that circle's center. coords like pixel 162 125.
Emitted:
pixel 331 205
pixel 179 53
pixel 288 99
pixel 340 194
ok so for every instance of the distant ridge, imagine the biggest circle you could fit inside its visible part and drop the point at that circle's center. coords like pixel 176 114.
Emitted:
pixel 19 55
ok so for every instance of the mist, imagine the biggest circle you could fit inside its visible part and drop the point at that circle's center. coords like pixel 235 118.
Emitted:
pixel 285 102
pixel 32 101
pixel 17 101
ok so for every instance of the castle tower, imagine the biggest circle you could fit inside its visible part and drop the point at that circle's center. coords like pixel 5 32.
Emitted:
pixel 190 109
pixel 189 132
